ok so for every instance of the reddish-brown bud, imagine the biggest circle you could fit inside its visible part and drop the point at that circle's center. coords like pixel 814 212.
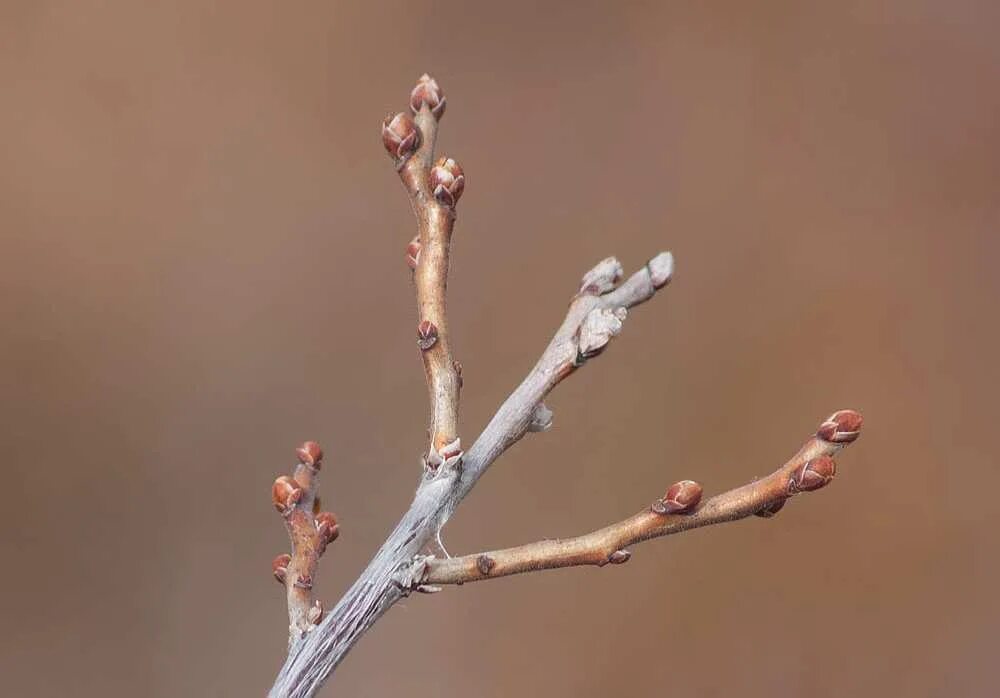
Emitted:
pixel 400 136
pixel 316 612
pixel 310 454
pixel 447 181
pixel 427 92
pixel 813 474
pixel 279 566
pixel 285 494
pixel 427 335
pixel 682 497
pixel 841 427
pixel 327 527
pixel 485 563
pixel 305 581
pixel 457 365
pixel 771 509
pixel 413 253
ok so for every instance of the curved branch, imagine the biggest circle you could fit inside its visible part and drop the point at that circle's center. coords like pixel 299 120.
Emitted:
pixel 809 469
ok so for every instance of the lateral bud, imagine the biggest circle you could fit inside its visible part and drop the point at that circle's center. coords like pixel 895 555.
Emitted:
pixel 600 325
pixel 327 528
pixel 285 494
pixel 602 278
pixel 279 567
pixel 316 612
pixel 681 498
pixel 400 136
pixel 841 427
pixel 619 557
pixel 427 335
pixel 812 475
pixel 541 418
pixel 447 181
pixel 771 509
pixel 661 269
pixel 427 92
pixel 413 253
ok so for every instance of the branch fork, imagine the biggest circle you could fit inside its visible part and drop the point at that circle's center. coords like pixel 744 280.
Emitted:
pixel 320 640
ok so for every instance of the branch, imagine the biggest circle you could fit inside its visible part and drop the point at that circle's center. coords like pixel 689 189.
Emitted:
pixel 310 532
pixel 809 469
pixel 433 193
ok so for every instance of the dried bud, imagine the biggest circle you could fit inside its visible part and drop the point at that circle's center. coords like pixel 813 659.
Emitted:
pixel 619 557
pixel 310 454
pixel 541 418
pixel 447 182
pixel 682 497
pixel 427 92
pixel 602 278
pixel 771 509
pixel 812 475
pixel 841 427
pixel 285 494
pixel 327 528
pixel 279 566
pixel 427 335
pixel 457 365
pixel 600 325
pixel 485 563
pixel 400 136
pixel 305 581
pixel 661 269
pixel 413 253
pixel 316 612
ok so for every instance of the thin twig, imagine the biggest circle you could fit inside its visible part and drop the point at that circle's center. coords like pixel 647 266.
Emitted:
pixel 809 469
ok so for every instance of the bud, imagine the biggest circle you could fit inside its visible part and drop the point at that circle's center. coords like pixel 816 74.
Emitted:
pixel 602 278
pixel 600 325
pixel 841 427
pixel 400 136
pixel 427 92
pixel 457 365
pixel 305 581
pixel 413 253
pixel 447 182
pixel 327 528
pixel 285 494
pixel 427 335
pixel 316 612
pixel 661 269
pixel 812 475
pixel 310 454
pixel 541 418
pixel 485 563
pixel 279 566
pixel 619 557
pixel 682 497
pixel 771 509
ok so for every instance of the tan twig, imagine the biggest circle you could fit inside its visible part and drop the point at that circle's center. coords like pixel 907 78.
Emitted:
pixel 309 531
pixel 433 190
pixel 809 469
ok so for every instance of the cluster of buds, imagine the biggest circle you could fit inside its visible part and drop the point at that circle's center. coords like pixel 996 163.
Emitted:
pixel 681 498
pixel 316 529
pixel 447 181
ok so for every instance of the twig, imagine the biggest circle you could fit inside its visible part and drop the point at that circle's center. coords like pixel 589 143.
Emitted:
pixel 433 191
pixel 809 469
pixel 309 531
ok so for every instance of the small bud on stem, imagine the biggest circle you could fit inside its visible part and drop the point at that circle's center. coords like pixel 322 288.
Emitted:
pixel 682 497
pixel 427 92
pixel 812 475
pixel 310 454
pixel 400 136
pixel 427 335
pixel 279 567
pixel 447 181
pixel 841 427
pixel 285 494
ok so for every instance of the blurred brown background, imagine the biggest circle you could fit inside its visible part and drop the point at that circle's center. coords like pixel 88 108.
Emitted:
pixel 203 265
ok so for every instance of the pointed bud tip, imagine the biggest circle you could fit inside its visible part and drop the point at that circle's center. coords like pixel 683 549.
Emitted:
pixel 843 426
pixel 309 453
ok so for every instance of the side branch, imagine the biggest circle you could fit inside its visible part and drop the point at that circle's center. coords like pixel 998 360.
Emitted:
pixel 809 469
pixel 433 191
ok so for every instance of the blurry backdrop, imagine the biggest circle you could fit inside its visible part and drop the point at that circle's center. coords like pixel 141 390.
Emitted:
pixel 202 265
